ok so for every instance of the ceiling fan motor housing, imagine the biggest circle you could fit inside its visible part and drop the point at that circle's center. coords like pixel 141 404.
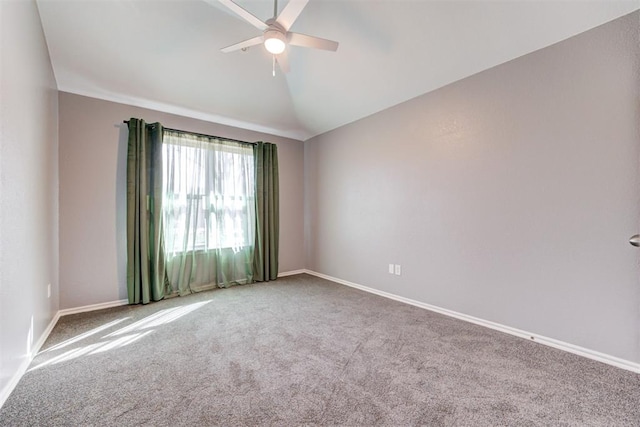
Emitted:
pixel 274 39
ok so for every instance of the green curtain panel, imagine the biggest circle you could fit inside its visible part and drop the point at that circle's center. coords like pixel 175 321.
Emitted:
pixel 145 252
pixel 265 261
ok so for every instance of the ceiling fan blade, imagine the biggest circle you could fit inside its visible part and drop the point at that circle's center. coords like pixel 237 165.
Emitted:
pixel 283 62
pixel 242 13
pixel 297 39
pixel 244 44
pixel 290 13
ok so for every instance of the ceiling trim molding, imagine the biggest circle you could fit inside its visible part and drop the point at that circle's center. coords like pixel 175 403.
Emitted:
pixel 193 114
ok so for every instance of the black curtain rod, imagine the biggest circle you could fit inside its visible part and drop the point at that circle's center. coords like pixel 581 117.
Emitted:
pixel 202 134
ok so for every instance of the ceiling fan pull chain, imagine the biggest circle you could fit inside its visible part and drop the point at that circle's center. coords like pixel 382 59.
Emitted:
pixel 274 65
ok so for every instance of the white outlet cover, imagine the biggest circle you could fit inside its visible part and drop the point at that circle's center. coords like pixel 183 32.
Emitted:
pixel 390 268
pixel 398 270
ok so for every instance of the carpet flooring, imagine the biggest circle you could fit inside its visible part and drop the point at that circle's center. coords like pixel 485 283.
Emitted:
pixel 306 351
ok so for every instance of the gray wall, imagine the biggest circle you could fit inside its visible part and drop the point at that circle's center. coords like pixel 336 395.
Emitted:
pixel 508 196
pixel 93 154
pixel 28 186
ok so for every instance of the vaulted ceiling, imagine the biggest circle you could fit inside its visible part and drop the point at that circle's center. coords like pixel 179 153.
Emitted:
pixel 165 55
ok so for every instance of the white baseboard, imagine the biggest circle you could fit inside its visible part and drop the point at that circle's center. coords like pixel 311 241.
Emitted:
pixel 291 273
pixel 4 394
pixel 551 342
pixel 93 307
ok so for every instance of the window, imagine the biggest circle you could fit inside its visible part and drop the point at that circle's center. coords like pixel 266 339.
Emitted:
pixel 208 193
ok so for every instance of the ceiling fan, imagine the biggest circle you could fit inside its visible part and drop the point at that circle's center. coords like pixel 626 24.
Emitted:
pixel 275 32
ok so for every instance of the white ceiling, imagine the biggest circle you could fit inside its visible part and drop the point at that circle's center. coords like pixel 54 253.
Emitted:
pixel 165 55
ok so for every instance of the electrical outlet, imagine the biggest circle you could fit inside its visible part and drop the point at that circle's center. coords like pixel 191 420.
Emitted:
pixel 390 268
pixel 398 270
pixel 49 290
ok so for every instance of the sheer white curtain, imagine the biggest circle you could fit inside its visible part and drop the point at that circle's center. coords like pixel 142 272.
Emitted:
pixel 208 210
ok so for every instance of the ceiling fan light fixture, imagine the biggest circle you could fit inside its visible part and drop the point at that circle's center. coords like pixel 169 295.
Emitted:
pixel 274 42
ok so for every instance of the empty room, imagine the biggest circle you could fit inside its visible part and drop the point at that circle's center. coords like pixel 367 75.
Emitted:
pixel 319 212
